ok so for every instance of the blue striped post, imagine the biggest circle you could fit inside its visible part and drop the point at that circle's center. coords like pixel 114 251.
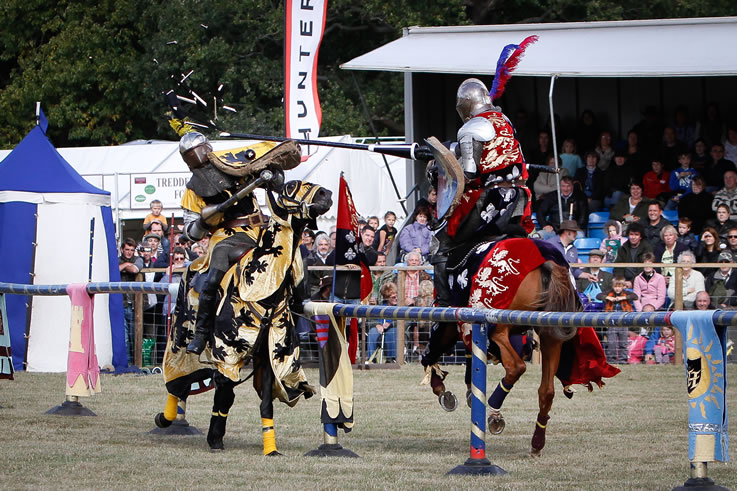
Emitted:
pixel 477 463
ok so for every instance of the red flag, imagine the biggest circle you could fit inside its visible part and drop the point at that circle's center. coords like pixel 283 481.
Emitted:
pixel 348 246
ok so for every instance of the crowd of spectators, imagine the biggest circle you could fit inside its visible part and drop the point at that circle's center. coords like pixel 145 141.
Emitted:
pixel 680 165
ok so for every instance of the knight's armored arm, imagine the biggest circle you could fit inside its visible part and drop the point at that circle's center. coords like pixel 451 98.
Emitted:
pixel 471 138
pixel 194 227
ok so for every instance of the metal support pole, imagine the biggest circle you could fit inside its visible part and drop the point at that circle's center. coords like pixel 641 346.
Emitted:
pixel 477 463
pixel 555 145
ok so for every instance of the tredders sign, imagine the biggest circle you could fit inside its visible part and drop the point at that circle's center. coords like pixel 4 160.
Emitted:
pixel 165 187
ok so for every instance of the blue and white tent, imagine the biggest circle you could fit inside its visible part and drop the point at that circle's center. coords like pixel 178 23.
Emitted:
pixel 46 209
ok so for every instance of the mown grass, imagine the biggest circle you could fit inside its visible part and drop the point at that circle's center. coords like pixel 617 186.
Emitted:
pixel 631 435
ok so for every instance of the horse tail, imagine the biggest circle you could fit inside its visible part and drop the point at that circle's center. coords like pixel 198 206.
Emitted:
pixel 559 295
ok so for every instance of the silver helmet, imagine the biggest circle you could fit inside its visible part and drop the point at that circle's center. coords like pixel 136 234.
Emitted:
pixel 194 147
pixel 472 99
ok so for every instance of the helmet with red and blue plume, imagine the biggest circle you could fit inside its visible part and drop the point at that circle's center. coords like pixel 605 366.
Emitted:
pixel 507 63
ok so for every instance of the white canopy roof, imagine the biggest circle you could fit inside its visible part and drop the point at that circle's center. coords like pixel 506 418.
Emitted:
pixel 640 48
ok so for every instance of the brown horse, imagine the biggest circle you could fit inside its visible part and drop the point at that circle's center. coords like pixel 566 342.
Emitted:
pixel 502 280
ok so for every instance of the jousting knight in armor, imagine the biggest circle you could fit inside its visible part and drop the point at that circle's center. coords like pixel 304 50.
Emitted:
pixel 219 201
pixel 495 202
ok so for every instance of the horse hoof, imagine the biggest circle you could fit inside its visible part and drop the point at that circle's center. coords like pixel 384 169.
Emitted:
pixel 217 449
pixel 448 401
pixel 495 423
pixel 274 453
pixel 536 452
pixel 161 421
pixel 469 395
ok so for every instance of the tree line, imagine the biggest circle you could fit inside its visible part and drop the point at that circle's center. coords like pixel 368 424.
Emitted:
pixel 101 67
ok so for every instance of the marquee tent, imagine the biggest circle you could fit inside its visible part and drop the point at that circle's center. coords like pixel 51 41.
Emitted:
pixel 113 167
pixel 46 209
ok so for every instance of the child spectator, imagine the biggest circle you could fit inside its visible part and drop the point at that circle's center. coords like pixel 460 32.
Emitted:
pixel 637 343
pixel 685 237
pixel 570 159
pixel 680 180
pixel 383 333
pixel 387 232
pixel 373 222
pixel 156 208
pixel 665 347
pixel 649 286
pixel 656 183
pixel 611 244
pixel 617 300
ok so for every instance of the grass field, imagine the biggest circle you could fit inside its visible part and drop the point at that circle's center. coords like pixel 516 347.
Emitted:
pixel 631 435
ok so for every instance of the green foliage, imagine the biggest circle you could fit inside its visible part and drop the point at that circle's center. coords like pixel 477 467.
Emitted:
pixel 100 68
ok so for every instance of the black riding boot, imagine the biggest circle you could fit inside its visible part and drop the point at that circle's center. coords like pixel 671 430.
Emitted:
pixel 204 323
pixel 443 335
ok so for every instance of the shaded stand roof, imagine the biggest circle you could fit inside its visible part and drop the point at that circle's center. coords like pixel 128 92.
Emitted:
pixel 640 48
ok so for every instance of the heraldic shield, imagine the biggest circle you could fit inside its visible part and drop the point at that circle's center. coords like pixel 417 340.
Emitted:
pixel 450 178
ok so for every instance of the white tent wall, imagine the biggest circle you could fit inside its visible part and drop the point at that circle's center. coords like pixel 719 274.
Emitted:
pixel 109 168
pixel 62 256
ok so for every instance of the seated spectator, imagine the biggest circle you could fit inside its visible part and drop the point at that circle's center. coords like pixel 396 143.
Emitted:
pixel 319 256
pixel 430 202
pixel 681 179
pixel 638 162
pixel 636 346
pixel 700 159
pixel 730 143
pixel 719 167
pixel 610 245
pixel 387 232
pixel 569 158
pixel 703 301
pixel 708 249
pixel 631 208
pixel 546 182
pixel 685 130
pixel 383 332
pixel 617 300
pixel 731 241
pixel 722 284
pixel 665 347
pixel 693 281
pixel 421 330
pixel 567 232
pixel 617 178
pixel 307 243
pixel 597 280
pixel 685 236
pixel 667 250
pixel 413 278
pixel 632 251
pixel 649 286
pixel 671 148
pixel 574 203
pixel 696 205
pixel 656 183
pixel 727 195
pixel 655 223
pixel 376 277
pixel 604 150
pixel 367 239
pixel 722 223
pixel 416 236
pixel 591 180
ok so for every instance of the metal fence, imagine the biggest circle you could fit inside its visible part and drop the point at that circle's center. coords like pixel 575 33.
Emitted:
pixel 152 318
